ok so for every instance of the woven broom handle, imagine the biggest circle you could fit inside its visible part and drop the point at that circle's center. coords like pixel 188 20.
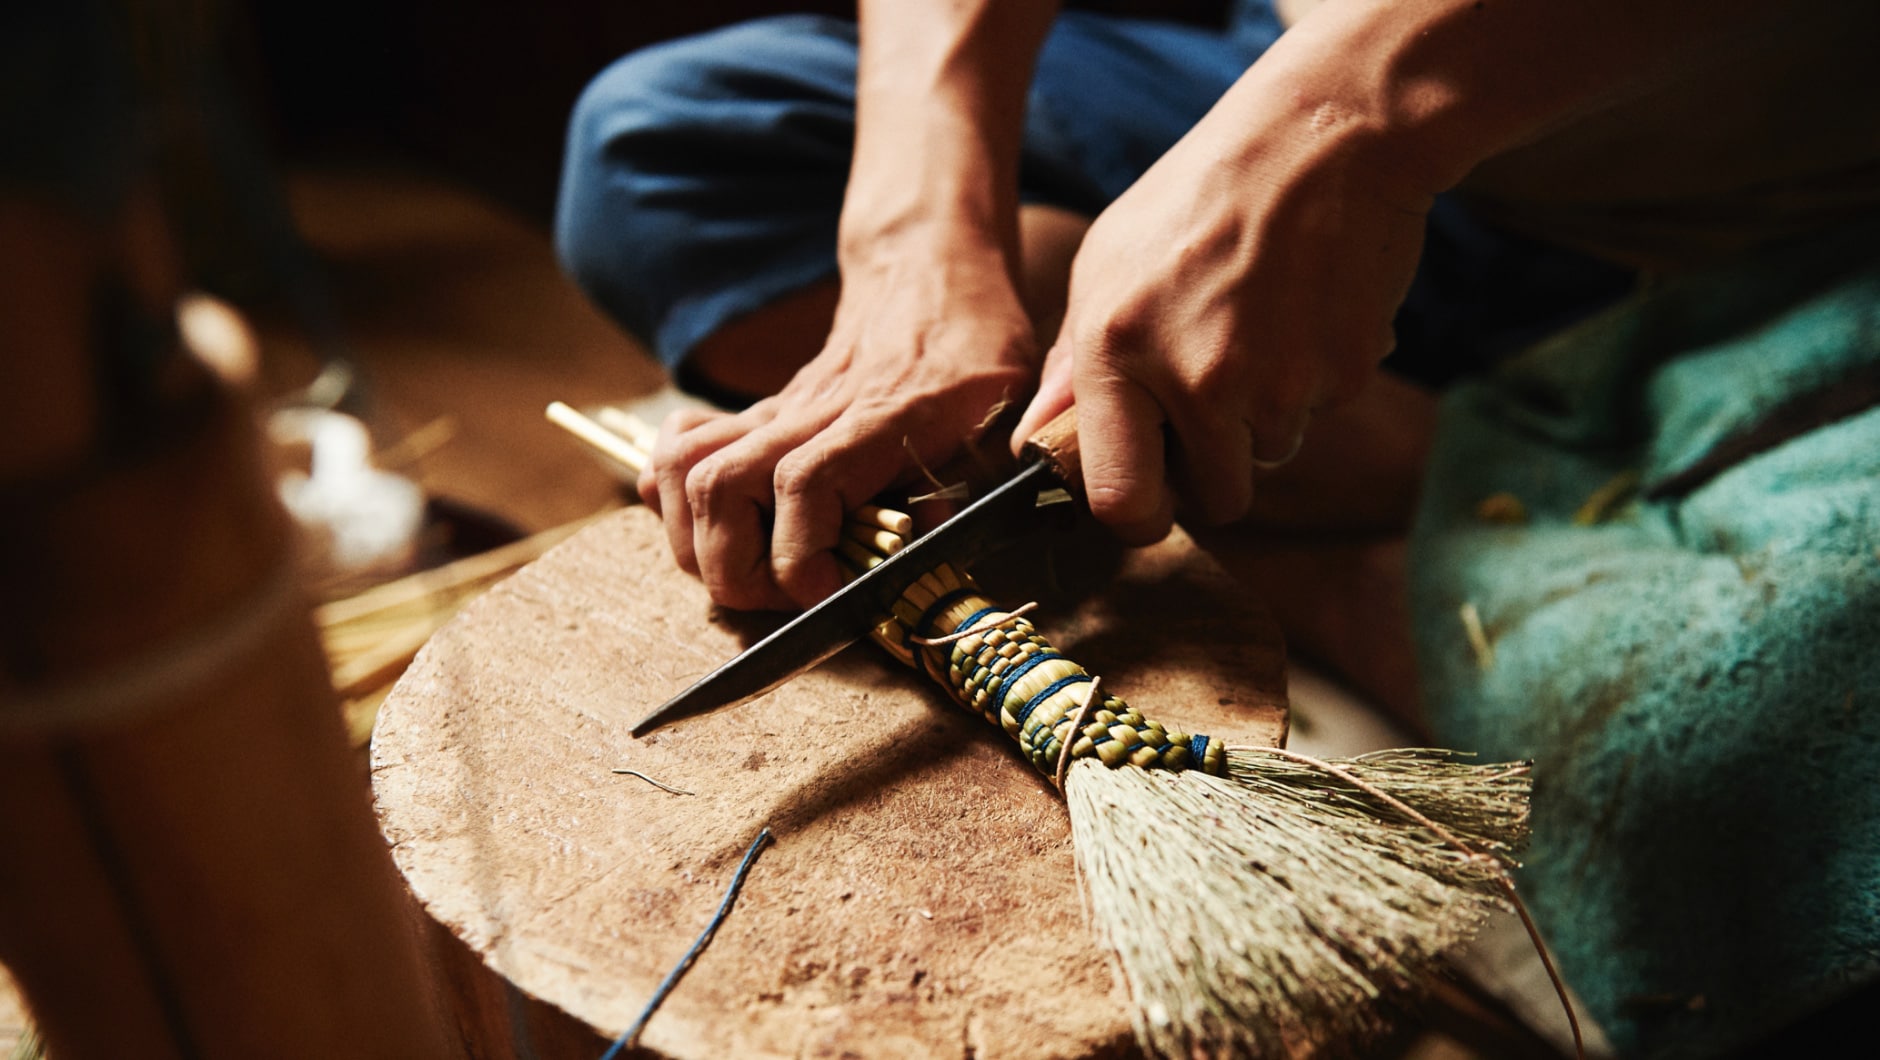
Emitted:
pixel 1056 444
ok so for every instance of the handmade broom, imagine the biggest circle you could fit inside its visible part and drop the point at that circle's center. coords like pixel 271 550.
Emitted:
pixel 1258 901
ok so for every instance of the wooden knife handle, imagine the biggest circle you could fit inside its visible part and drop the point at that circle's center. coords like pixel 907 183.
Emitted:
pixel 1056 444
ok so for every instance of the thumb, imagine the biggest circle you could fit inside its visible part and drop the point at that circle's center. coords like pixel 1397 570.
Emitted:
pixel 1053 396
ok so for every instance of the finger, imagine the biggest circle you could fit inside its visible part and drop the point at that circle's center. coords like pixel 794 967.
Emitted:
pixel 816 486
pixel 686 437
pixel 664 451
pixel 1119 430
pixel 1053 396
pixel 730 535
pixel 1276 438
pixel 1211 462
pixel 730 497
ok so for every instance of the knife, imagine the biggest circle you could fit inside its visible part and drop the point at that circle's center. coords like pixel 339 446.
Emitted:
pixel 1022 504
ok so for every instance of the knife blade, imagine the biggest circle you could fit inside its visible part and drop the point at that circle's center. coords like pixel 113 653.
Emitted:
pixel 1016 508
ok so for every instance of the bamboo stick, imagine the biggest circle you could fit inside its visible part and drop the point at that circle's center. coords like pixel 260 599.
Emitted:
pixel 615 448
pixel 642 434
pixel 426 585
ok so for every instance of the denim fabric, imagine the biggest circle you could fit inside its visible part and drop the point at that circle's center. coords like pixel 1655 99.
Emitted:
pixel 704 176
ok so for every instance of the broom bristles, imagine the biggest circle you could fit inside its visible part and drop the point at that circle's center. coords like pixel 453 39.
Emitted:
pixel 1276 909
pixel 1277 912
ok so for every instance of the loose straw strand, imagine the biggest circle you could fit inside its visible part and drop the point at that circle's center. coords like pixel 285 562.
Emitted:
pixel 661 785
pixel 1091 699
pixel 991 621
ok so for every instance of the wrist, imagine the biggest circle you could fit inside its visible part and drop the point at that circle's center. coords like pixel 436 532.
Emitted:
pixel 927 223
pixel 939 118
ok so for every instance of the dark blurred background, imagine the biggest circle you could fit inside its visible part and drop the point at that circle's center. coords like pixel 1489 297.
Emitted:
pixel 478 89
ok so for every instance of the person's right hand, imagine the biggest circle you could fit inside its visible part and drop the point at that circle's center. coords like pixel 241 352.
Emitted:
pixel 929 338
pixel 1248 279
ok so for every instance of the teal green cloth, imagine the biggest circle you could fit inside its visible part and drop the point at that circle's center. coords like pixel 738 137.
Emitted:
pixel 1697 676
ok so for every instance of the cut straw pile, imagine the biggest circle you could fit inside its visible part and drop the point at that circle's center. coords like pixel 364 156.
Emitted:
pixel 371 637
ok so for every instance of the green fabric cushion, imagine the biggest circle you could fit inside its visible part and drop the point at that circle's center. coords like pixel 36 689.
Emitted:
pixel 1697 676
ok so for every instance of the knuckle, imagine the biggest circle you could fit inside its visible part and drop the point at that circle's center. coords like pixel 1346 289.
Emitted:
pixel 786 563
pixel 799 474
pixel 737 596
pixel 1121 502
pixel 1210 379
pixel 709 483
pixel 1225 500
pixel 1112 340
pixel 682 452
pixel 1211 373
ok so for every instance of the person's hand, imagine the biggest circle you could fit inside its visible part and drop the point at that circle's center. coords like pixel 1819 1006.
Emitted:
pixel 1249 278
pixel 928 338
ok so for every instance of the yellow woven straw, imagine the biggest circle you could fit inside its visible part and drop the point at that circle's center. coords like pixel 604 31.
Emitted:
pixel 1004 671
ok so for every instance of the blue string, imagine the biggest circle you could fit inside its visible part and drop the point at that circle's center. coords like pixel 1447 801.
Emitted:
pixel 1050 690
pixel 631 1035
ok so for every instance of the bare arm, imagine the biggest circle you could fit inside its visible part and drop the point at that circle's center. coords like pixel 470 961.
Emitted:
pixel 929 333
pixel 940 112
pixel 1252 274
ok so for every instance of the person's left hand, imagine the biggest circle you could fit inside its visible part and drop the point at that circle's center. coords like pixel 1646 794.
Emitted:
pixel 929 337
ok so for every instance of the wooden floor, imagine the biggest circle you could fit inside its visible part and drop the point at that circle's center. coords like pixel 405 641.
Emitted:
pixel 462 324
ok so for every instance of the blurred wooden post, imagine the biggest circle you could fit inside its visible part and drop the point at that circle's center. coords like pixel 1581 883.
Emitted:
pixel 188 861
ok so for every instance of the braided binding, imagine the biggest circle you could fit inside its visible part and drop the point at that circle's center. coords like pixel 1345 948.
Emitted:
pixel 1007 673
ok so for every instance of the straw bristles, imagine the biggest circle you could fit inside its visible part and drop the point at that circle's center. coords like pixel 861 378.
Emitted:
pixel 372 636
pixel 1277 911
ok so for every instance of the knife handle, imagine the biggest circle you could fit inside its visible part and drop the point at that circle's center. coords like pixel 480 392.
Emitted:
pixel 1056 445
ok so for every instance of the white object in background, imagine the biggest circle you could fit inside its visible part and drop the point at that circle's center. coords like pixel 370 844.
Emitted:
pixel 220 338
pixel 359 519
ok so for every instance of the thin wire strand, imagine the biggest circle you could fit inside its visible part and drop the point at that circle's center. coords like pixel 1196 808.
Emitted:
pixel 631 1036
pixel 623 771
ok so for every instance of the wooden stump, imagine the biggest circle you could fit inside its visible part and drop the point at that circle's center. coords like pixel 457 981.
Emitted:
pixel 188 866
pixel 920 899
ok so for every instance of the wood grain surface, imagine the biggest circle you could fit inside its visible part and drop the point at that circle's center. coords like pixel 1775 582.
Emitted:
pixel 920 898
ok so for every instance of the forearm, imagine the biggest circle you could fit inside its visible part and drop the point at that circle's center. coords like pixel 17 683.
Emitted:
pixel 940 115
pixel 1438 86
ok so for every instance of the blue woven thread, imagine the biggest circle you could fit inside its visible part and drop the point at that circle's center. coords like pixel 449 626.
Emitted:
pixel 1010 679
pixel 1050 690
pixel 980 668
pixel 996 682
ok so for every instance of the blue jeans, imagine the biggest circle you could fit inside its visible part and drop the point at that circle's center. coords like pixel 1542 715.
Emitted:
pixel 704 176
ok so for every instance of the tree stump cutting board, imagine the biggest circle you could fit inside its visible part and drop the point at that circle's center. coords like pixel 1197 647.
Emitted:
pixel 920 898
